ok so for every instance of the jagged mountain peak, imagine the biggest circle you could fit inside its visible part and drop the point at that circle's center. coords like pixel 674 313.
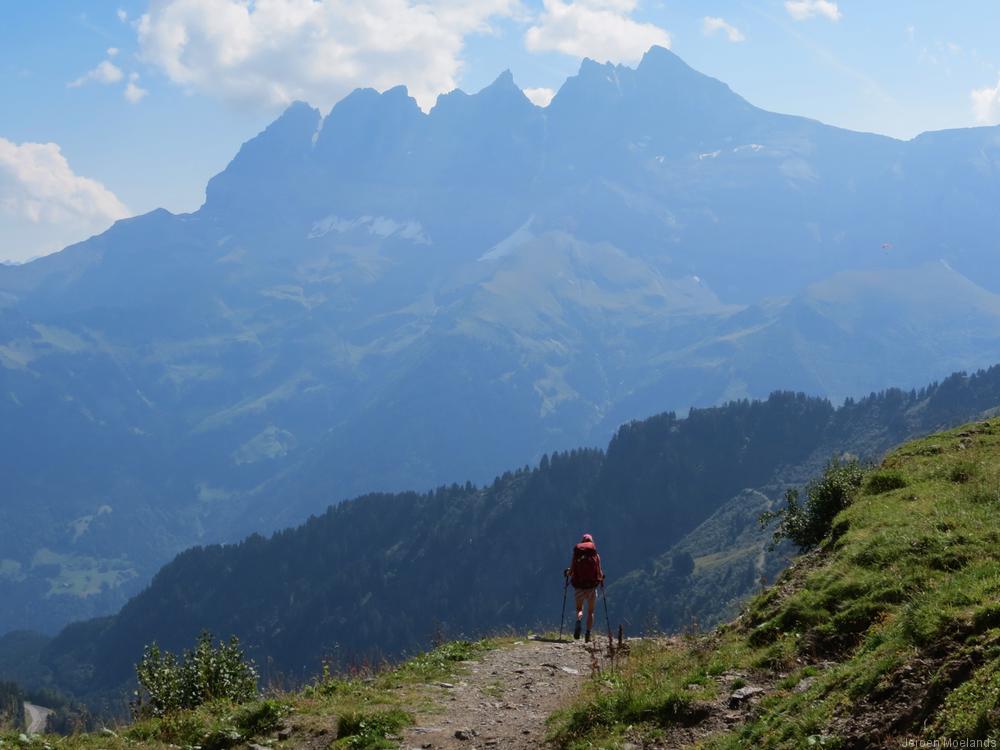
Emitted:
pixel 503 81
pixel 367 106
pixel 660 74
pixel 658 57
pixel 502 94
pixel 282 146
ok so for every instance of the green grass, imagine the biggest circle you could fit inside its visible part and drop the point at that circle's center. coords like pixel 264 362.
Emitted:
pixel 373 730
pixel 360 712
pixel 212 727
pixel 902 602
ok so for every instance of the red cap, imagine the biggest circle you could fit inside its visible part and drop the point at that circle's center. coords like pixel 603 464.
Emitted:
pixel 587 538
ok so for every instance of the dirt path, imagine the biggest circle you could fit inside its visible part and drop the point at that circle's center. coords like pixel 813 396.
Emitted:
pixel 36 717
pixel 502 701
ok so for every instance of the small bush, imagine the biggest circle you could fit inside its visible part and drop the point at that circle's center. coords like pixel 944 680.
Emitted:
pixel 207 729
pixel 880 482
pixel 807 524
pixel 181 729
pixel 962 472
pixel 633 703
pixel 259 717
pixel 168 683
pixel 370 731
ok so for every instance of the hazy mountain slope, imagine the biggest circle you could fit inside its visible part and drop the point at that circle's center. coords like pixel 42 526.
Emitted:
pixel 379 574
pixel 382 299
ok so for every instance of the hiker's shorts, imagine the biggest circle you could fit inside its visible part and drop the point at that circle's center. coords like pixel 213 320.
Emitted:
pixel 585 595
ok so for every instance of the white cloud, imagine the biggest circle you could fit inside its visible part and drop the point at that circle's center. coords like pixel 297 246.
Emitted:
pixel 986 104
pixel 540 96
pixel 105 73
pixel 44 205
pixel 802 10
pixel 112 51
pixel 711 24
pixel 122 15
pixel 271 52
pixel 133 91
pixel 601 29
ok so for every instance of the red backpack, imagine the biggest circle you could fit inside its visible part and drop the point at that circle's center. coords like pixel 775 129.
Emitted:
pixel 586 569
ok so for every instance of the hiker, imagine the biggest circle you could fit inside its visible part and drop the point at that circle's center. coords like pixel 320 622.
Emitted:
pixel 585 573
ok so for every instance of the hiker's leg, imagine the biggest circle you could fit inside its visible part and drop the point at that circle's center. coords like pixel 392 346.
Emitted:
pixel 578 600
pixel 591 605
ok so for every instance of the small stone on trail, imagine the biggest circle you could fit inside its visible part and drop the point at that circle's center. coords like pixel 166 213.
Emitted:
pixel 444 684
pixel 284 734
pixel 464 734
pixel 804 684
pixel 743 694
pixel 570 670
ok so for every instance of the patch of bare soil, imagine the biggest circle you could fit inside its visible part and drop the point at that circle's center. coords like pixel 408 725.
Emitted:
pixel 735 704
pixel 504 700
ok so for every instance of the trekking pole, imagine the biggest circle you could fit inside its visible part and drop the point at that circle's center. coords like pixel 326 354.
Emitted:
pixel 607 619
pixel 562 617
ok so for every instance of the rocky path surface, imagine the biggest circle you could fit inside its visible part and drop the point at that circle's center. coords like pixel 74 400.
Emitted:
pixel 503 701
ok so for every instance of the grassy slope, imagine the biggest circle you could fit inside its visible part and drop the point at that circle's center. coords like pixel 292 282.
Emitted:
pixel 362 712
pixel 890 631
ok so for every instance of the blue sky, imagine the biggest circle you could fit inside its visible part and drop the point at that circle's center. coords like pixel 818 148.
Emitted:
pixel 115 108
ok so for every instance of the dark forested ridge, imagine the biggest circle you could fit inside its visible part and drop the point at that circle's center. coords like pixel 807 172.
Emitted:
pixel 378 575
pixel 11 706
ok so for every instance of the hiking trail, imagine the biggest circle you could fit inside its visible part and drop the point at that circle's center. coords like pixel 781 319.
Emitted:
pixel 36 717
pixel 504 699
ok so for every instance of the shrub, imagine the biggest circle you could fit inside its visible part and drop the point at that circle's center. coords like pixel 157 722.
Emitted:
pixel 884 481
pixel 370 731
pixel 962 472
pixel 260 717
pixel 807 524
pixel 168 683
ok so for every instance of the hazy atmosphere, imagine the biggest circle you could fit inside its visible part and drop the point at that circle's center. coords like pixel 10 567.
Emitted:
pixel 342 343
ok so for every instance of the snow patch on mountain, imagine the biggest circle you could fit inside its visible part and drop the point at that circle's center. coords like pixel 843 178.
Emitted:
pixel 378 226
pixel 511 242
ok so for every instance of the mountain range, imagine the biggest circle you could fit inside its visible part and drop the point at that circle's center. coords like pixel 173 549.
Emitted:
pixel 383 299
